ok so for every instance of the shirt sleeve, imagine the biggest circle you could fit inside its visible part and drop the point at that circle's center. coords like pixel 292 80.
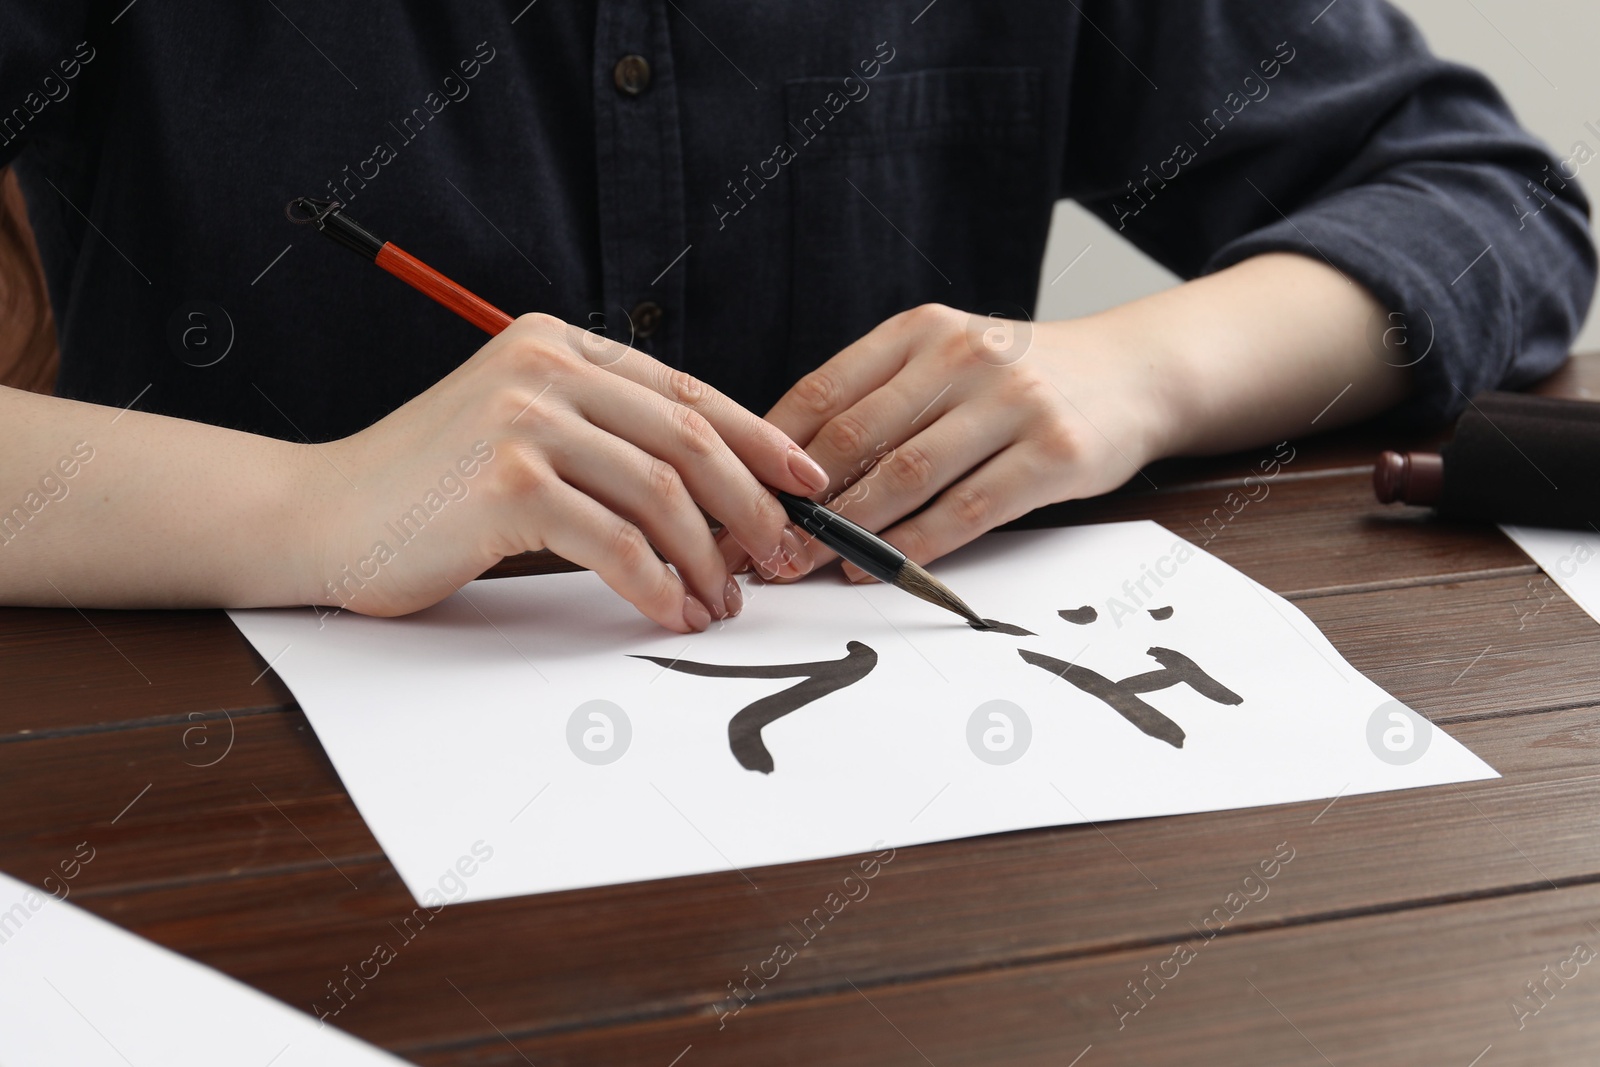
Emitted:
pixel 44 53
pixel 1216 130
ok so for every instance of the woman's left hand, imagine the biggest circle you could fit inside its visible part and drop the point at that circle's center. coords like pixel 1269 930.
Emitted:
pixel 988 418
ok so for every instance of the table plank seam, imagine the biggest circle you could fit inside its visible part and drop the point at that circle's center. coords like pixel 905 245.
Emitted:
pixel 1464 717
pixel 149 722
pixel 1234 483
pixel 156 885
pixel 1461 577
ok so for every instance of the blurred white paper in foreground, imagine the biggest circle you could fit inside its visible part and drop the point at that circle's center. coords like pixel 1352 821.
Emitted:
pixel 74 989
pixel 522 718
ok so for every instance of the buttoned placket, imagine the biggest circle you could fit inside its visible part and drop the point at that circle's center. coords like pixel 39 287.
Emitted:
pixel 641 186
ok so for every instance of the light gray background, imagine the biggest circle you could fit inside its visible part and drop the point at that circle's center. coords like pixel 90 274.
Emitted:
pixel 1541 53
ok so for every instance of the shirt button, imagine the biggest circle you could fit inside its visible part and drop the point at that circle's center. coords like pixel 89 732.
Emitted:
pixel 631 75
pixel 647 319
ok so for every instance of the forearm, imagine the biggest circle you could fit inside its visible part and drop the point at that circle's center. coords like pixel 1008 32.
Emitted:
pixel 101 508
pixel 1275 347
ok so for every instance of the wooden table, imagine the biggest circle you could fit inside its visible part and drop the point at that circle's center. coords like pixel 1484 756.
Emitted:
pixel 1403 931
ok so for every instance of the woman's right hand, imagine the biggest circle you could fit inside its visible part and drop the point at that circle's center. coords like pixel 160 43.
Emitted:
pixel 554 437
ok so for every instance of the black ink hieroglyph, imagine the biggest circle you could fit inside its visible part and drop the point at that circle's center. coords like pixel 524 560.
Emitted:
pixel 995 626
pixel 818 680
pixel 1123 696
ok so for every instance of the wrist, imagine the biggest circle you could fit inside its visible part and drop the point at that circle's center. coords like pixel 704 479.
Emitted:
pixel 1134 377
pixel 298 506
pixel 1255 353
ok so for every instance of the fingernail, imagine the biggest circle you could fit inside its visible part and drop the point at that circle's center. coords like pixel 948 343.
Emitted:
pixel 695 614
pixel 745 567
pixel 796 555
pixel 769 568
pixel 806 469
pixel 732 599
pixel 732 554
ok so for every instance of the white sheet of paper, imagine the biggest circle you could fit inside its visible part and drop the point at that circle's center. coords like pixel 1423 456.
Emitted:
pixel 450 727
pixel 1570 557
pixel 75 989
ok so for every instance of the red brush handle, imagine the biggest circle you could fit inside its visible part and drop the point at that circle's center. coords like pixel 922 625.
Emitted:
pixel 424 279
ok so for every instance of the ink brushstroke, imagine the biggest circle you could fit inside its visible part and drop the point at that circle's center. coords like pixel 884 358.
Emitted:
pixel 819 679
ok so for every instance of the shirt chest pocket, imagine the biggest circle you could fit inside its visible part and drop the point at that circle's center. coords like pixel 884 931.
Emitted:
pixel 917 187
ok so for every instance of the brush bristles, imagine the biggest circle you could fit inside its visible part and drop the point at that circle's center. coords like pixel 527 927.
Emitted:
pixel 919 583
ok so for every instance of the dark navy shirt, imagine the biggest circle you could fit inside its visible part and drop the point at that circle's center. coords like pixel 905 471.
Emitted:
pixel 741 188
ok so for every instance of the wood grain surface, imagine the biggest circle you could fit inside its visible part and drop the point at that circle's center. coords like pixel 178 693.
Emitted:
pixel 1404 929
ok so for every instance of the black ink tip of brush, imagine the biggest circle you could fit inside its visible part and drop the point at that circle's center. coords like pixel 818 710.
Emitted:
pixel 995 626
pixel 919 583
pixel 328 217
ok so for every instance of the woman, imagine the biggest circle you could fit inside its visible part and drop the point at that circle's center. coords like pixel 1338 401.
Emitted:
pixel 786 205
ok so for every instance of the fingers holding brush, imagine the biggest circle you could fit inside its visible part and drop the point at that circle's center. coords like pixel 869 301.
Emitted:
pixel 593 536
pixel 770 455
pixel 705 466
pixel 649 492
pixel 994 494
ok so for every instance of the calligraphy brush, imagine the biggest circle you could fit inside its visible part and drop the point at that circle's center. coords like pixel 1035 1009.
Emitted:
pixel 853 543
